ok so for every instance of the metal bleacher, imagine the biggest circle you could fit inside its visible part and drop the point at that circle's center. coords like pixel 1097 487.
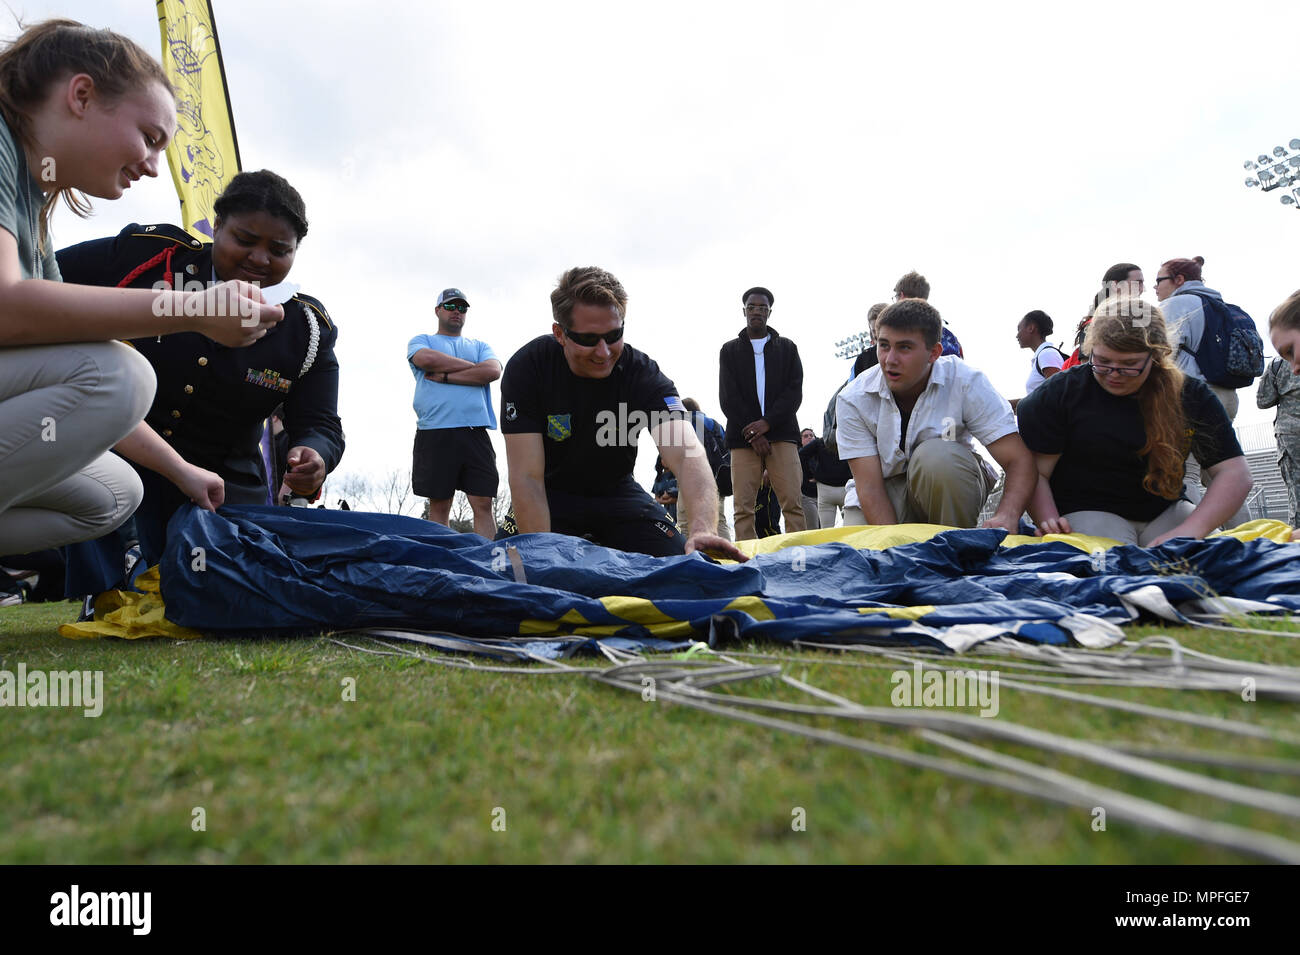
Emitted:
pixel 1268 498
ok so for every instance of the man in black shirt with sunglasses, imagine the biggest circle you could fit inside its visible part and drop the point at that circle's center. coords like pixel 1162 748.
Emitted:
pixel 573 404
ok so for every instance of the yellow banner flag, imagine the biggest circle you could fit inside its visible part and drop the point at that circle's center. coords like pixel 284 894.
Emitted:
pixel 204 156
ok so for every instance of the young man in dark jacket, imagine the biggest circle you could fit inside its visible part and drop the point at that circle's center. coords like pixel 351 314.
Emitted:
pixel 760 385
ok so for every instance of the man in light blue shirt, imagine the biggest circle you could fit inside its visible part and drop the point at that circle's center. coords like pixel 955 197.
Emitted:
pixel 453 401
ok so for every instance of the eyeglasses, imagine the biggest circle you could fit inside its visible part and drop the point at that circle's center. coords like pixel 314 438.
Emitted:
pixel 1123 372
pixel 590 339
pixel 455 306
pixel 1164 278
pixel 757 308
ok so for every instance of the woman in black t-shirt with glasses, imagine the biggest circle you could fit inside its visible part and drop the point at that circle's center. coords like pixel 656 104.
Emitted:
pixel 1111 438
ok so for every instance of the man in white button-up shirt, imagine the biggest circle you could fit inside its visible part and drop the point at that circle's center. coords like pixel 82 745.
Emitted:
pixel 905 427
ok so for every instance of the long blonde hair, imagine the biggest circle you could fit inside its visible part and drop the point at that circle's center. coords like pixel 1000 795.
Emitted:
pixel 52 51
pixel 1130 325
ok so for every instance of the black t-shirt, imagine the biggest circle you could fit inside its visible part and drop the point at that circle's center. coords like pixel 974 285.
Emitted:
pixel 1099 436
pixel 589 426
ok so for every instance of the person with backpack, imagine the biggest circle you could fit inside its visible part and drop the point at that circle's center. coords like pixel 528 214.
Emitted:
pixel 914 285
pixel 1123 279
pixel 808 489
pixel 829 472
pixel 1213 340
pixel 867 358
pixel 1032 333
pixel 714 438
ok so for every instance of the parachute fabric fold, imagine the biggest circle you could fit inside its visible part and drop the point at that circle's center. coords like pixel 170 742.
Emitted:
pixel 269 570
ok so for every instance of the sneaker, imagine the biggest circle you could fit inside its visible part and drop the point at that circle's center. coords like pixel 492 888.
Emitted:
pixel 87 609
pixel 16 587
pixel 134 564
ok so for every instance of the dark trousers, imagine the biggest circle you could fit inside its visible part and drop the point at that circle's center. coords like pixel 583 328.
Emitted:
pixel 628 519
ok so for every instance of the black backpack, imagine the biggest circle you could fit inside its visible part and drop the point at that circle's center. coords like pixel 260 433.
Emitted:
pixel 830 422
pixel 714 440
pixel 1231 353
pixel 1039 368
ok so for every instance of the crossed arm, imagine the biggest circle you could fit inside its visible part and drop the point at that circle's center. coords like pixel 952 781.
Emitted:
pixel 457 371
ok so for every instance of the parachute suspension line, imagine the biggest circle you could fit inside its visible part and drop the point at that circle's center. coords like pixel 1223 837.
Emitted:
pixel 1195 622
pixel 549 668
pixel 978 727
pixel 1028 780
pixel 688 682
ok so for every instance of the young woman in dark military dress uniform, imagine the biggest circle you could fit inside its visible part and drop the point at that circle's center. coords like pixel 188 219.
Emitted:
pixel 212 400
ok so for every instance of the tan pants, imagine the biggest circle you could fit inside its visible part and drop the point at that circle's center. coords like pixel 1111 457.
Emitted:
pixel 829 500
pixel 786 474
pixel 1195 481
pixel 1228 398
pixel 684 518
pixel 944 483
pixel 61 408
pixel 811 517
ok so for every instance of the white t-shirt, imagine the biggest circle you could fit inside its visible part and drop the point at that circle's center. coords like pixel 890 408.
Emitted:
pixel 1046 355
pixel 958 403
pixel 760 370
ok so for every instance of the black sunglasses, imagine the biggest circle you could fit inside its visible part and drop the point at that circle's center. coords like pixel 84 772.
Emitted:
pixel 589 339
pixel 455 307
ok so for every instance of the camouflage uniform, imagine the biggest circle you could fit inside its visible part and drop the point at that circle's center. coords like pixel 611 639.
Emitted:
pixel 1280 387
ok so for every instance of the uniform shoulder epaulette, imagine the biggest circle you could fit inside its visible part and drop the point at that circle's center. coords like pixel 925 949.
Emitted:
pixel 164 232
pixel 314 305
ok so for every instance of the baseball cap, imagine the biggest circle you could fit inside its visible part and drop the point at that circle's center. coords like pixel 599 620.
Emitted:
pixel 452 295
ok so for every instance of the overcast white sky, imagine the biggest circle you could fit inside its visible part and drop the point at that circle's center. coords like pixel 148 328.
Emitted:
pixel 1010 152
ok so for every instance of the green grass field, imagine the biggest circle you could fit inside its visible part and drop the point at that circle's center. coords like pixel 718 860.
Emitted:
pixel 258 736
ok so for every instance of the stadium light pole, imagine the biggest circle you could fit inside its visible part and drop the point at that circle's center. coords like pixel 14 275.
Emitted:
pixel 1279 171
pixel 852 346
